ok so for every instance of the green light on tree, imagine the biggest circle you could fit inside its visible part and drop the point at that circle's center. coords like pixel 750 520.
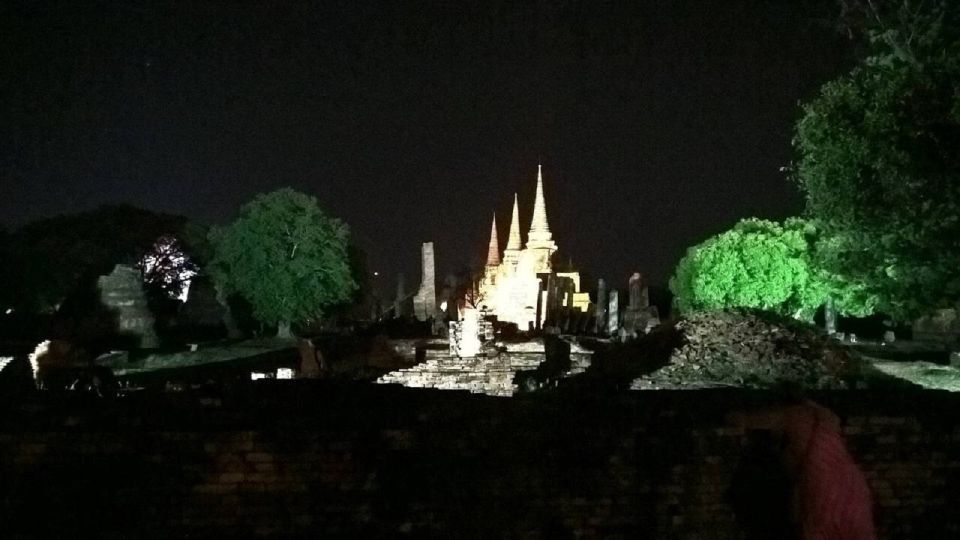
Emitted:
pixel 759 264
pixel 286 257
pixel 879 161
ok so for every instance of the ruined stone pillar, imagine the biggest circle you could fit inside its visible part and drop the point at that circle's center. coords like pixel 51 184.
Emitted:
pixel 830 317
pixel 613 313
pixel 638 313
pixel 425 302
pixel 600 324
pixel 639 294
pixel 550 308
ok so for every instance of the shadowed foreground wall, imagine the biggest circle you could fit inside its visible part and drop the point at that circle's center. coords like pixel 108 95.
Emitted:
pixel 313 459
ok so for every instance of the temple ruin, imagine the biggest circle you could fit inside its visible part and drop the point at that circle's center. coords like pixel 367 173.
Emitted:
pixel 513 287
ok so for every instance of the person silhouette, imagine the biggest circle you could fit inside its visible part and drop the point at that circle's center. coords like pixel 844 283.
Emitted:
pixel 830 498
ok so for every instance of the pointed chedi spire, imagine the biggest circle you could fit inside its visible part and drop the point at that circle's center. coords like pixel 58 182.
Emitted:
pixel 493 252
pixel 540 235
pixel 513 241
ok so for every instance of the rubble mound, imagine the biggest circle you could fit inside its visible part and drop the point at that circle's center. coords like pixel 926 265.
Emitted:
pixel 752 349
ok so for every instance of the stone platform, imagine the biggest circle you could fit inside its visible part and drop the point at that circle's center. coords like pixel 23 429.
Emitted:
pixel 492 376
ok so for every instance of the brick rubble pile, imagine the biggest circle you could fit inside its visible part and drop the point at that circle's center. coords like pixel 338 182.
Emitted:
pixel 751 349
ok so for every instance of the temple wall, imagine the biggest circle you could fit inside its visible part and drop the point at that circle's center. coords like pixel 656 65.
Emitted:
pixel 314 459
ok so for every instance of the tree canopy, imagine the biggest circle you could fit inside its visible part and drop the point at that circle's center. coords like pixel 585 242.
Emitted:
pixel 759 264
pixel 285 256
pixel 879 161
pixel 168 268
pixel 52 257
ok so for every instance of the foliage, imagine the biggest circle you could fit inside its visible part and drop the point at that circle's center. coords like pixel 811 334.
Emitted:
pixel 52 257
pixel 285 256
pixel 879 160
pixel 898 27
pixel 167 267
pixel 759 264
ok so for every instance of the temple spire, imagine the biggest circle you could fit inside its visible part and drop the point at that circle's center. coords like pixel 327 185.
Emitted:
pixel 513 241
pixel 539 228
pixel 493 252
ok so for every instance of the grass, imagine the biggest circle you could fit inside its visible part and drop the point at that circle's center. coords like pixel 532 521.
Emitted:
pixel 925 374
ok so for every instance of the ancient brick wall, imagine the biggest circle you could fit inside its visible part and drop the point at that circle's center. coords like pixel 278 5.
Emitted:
pixel 314 459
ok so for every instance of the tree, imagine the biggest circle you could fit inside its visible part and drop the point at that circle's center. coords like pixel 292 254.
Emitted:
pixel 758 264
pixel 286 257
pixel 879 160
pixel 53 257
pixel 166 267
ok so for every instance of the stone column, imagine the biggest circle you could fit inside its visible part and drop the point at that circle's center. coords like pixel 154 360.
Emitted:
pixel 637 314
pixel 600 325
pixel 550 307
pixel 830 317
pixel 613 313
pixel 639 294
pixel 425 302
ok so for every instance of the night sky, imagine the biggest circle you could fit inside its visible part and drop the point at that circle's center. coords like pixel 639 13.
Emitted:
pixel 657 124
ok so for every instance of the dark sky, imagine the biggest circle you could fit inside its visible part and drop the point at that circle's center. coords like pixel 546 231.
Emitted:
pixel 658 123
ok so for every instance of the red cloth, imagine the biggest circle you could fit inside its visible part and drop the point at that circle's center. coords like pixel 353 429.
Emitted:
pixel 831 499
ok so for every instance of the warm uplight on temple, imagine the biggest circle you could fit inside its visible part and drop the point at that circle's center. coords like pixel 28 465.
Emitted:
pixel 547 270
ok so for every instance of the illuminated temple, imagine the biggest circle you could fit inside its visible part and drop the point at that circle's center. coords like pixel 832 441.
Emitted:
pixel 513 286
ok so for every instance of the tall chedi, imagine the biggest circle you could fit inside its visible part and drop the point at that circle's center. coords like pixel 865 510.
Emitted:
pixel 512 252
pixel 511 288
pixel 493 258
pixel 540 239
pixel 493 250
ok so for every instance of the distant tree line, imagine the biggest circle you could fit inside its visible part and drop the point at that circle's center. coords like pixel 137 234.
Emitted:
pixel 283 257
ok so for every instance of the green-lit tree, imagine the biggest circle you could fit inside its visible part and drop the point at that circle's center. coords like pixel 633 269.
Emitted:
pixel 286 257
pixel 759 264
pixel 879 160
